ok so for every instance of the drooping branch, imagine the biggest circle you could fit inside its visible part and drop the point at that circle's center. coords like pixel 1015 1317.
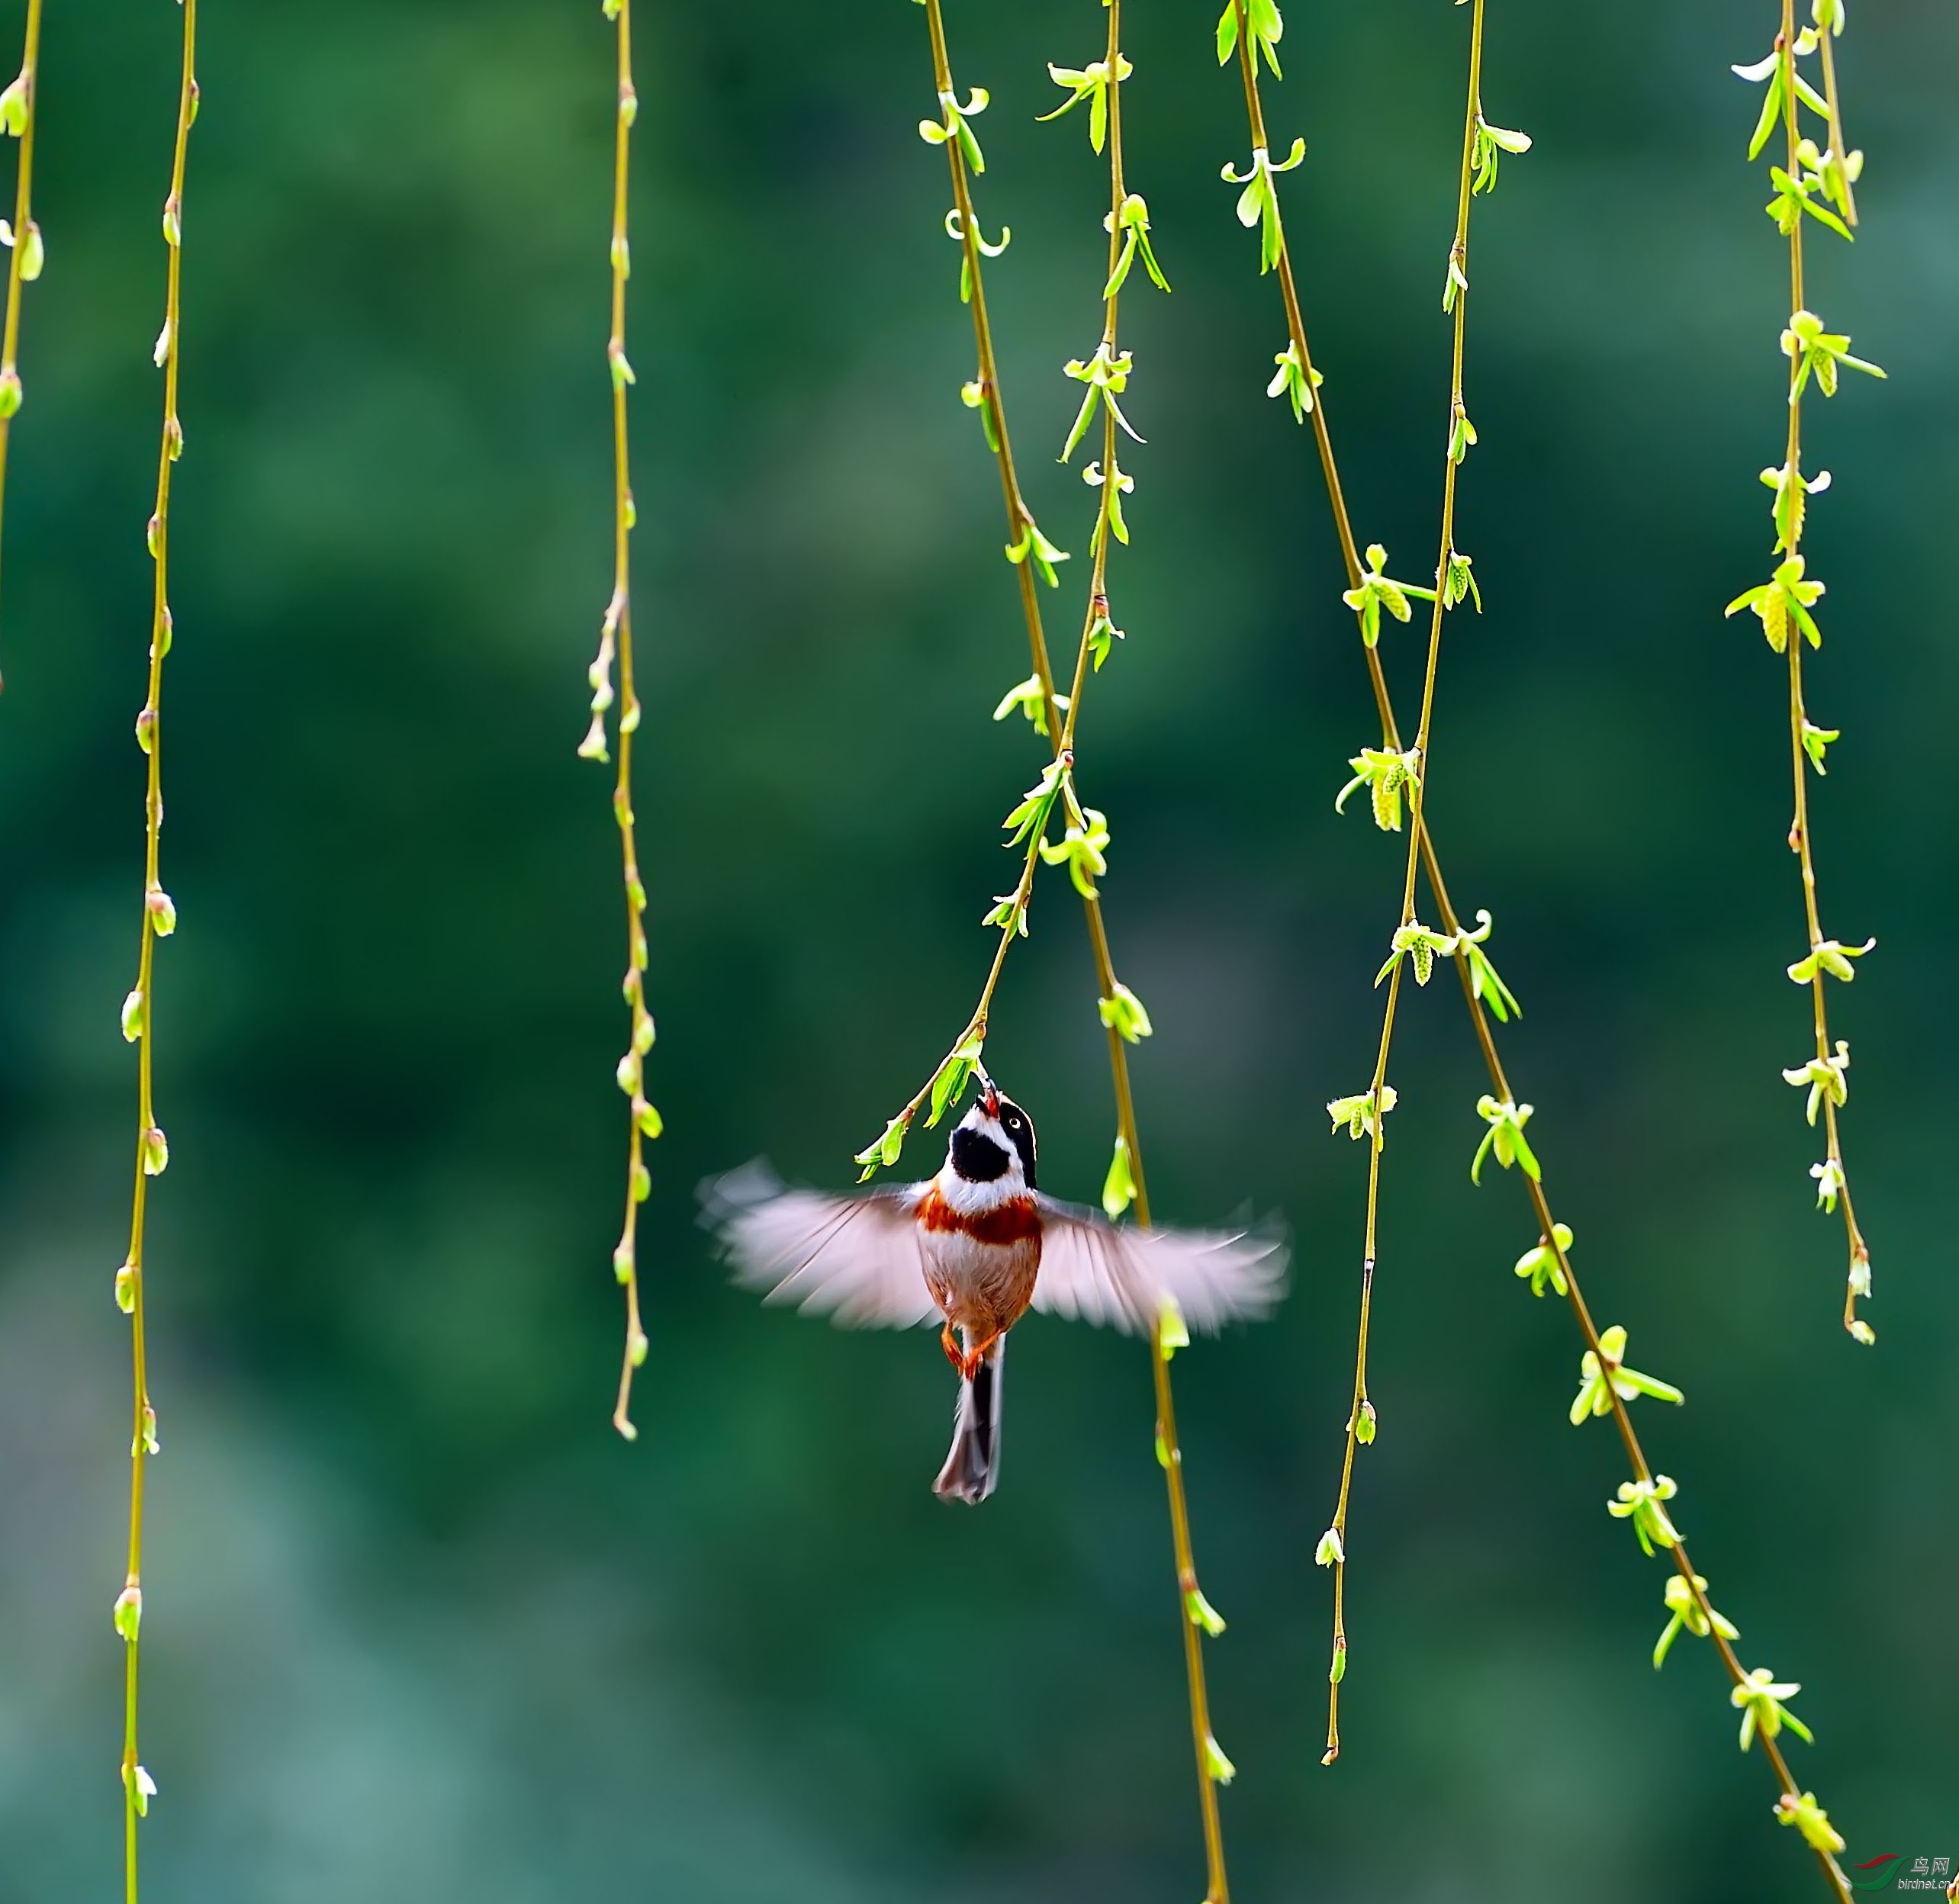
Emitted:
pixel 616 645
pixel 1607 1385
pixel 19 113
pixel 1053 801
pixel 159 921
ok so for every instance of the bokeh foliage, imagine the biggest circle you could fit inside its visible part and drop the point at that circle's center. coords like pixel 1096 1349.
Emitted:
pixel 419 1627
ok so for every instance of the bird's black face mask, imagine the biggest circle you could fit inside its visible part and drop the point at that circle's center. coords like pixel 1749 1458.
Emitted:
pixel 977 1158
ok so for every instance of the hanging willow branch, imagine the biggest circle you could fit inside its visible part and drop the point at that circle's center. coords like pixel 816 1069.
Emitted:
pixel 1811 187
pixel 159 921
pixel 1413 946
pixel 1251 27
pixel 615 642
pixel 1056 716
pixel 18 104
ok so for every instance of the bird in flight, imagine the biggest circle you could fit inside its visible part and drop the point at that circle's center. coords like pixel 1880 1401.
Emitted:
pixel 972 1248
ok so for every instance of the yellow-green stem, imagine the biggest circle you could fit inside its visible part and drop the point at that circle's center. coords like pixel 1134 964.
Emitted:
pixel 1575 1296
pixel 1458 265
pixel 1019 521
pixel 154 910
pixel 1799 828
pixel 1451 923
pixel 23 225
pixel 618 626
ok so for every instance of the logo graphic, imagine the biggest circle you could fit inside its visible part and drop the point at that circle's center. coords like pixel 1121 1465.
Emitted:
pixel 1889 1869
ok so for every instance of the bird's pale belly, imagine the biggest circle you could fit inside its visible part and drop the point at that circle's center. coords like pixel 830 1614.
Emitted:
pixel 981 1268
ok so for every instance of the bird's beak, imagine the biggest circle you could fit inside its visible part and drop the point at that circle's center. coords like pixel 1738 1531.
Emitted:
pixel 992 1101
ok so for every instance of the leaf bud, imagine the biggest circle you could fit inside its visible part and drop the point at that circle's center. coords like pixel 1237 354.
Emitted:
pixel 885 1149
pixel 1200 1612
pixel 1172 1332
pixel 143 1787
pixel 128 1613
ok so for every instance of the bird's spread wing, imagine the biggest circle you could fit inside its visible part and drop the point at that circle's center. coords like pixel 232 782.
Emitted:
pixel 855 1259
pixel 1091 1270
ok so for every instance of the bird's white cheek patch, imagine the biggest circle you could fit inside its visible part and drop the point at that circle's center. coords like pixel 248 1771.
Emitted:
pixel 976 1199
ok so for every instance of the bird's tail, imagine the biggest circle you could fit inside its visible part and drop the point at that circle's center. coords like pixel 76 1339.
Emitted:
pixel 971 1469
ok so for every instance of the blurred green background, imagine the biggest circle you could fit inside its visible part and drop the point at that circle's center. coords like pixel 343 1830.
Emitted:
pixel 421 1627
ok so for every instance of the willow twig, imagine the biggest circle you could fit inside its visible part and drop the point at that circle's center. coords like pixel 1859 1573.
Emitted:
pixel 1406 949
pixel 1812 183
pixel 616 641
pixel 159 921
pixel 1057 717
pixel 1483 994
pixel 18 110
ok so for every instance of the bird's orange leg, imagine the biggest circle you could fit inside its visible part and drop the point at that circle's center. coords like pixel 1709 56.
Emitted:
pixel 949 1343
pixel 969 1363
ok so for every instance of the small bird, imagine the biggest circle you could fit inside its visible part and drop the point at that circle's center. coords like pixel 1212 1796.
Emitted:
pixel 973 1247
